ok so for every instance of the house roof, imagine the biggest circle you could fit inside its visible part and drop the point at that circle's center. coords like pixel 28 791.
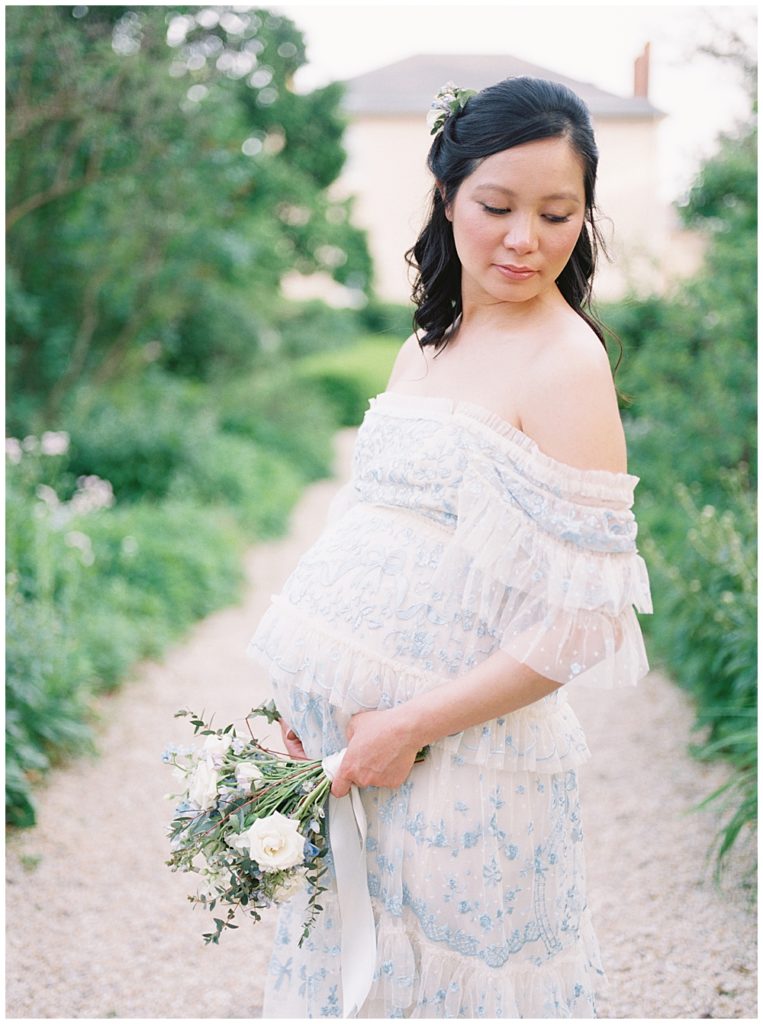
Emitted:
pixel 408 85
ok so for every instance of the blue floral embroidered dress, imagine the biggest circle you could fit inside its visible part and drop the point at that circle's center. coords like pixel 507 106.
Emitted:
pixel 458 536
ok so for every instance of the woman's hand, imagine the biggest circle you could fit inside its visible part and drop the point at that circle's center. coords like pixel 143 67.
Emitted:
pixel 380 752
pixel 292 742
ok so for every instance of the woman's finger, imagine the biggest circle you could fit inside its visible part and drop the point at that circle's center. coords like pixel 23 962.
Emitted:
pixel 291 741
pixel 340 786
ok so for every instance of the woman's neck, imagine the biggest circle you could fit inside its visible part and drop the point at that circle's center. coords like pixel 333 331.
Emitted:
pixel 483 312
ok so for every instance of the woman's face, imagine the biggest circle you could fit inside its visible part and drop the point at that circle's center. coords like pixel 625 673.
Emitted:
pixel 516 220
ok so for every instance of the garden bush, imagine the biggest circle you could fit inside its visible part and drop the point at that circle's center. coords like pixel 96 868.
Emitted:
pixel 270 408
pixel 691 427
pixel 313 326
pixel 46 699
pixel 138 433
pixel 258 486
pixel 100 576
pixel 242 444
pixel 378 317
pixel 708 601
pixel 347 379
pixel 92 589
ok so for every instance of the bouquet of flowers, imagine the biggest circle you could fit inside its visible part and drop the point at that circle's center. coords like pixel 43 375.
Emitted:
pixel 251 822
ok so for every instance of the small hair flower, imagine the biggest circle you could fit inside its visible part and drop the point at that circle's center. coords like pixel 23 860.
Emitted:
pixel 449 100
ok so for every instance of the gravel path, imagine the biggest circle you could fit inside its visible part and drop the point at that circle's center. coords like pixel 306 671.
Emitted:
pixel 98 927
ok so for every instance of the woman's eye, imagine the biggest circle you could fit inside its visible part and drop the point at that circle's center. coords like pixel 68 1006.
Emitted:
pixel 500 211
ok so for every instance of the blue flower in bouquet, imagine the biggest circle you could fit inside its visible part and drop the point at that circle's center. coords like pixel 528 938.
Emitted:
pixel 311 850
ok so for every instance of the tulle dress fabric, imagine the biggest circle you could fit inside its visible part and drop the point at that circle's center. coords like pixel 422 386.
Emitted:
pixel 457 536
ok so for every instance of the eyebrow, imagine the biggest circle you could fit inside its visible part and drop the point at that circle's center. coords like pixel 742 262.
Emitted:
pixel 507 191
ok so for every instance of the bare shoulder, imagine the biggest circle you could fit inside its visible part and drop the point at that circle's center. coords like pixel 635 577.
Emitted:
pixel 408 358
pixel 569 402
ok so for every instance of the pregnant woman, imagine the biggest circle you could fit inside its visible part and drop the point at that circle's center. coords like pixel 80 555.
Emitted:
pixel 480 562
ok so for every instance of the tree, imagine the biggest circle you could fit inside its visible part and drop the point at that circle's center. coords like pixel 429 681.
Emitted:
pixel 161 177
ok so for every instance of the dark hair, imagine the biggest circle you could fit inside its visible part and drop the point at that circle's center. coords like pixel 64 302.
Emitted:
pixel 510 113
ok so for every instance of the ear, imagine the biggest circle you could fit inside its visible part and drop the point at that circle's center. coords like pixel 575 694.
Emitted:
pixel 445 203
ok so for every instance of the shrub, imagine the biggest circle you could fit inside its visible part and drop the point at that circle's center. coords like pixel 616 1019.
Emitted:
pixel 309 327
pixel 270 408
pixel 157 569
pixel 691 427
pixel 706 629
pixel 98 593
pixel 258 486
pixel 46 699
pixel 387 318
pixel 139 433
pixel 349 378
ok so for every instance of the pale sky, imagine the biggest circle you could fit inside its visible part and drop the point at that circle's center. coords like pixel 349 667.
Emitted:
pixel 594 43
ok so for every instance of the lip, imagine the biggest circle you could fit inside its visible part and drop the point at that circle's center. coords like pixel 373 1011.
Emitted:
pixel 515 273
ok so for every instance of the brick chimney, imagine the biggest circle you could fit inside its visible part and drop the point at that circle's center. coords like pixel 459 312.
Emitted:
pixel 641 73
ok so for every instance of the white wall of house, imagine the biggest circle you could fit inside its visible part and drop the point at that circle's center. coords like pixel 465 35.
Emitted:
pixel 386 172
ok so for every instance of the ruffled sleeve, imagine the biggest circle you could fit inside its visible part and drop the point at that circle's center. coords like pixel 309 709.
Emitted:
pixel 548 552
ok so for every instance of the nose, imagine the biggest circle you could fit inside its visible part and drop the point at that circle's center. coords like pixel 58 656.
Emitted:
pixel 521 236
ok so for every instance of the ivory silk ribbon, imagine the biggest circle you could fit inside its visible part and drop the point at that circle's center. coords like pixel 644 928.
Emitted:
pixel 347 836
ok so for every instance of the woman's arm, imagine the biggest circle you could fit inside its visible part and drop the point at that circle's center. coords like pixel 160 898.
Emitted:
pixel 383 744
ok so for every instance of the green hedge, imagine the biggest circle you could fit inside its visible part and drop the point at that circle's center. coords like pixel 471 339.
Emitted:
pixel 690 368
pixel 270 408
pixel 347 379
pixel 197 472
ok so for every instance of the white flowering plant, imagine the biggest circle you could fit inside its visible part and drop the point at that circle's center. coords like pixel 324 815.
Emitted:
pixel 251 822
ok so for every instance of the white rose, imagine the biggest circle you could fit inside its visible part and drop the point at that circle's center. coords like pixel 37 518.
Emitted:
pixel 216 746
pixel 248 772
pixel 274 842
pixel 203 787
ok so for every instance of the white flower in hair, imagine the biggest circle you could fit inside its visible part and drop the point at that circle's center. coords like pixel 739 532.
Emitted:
pixel 449 100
